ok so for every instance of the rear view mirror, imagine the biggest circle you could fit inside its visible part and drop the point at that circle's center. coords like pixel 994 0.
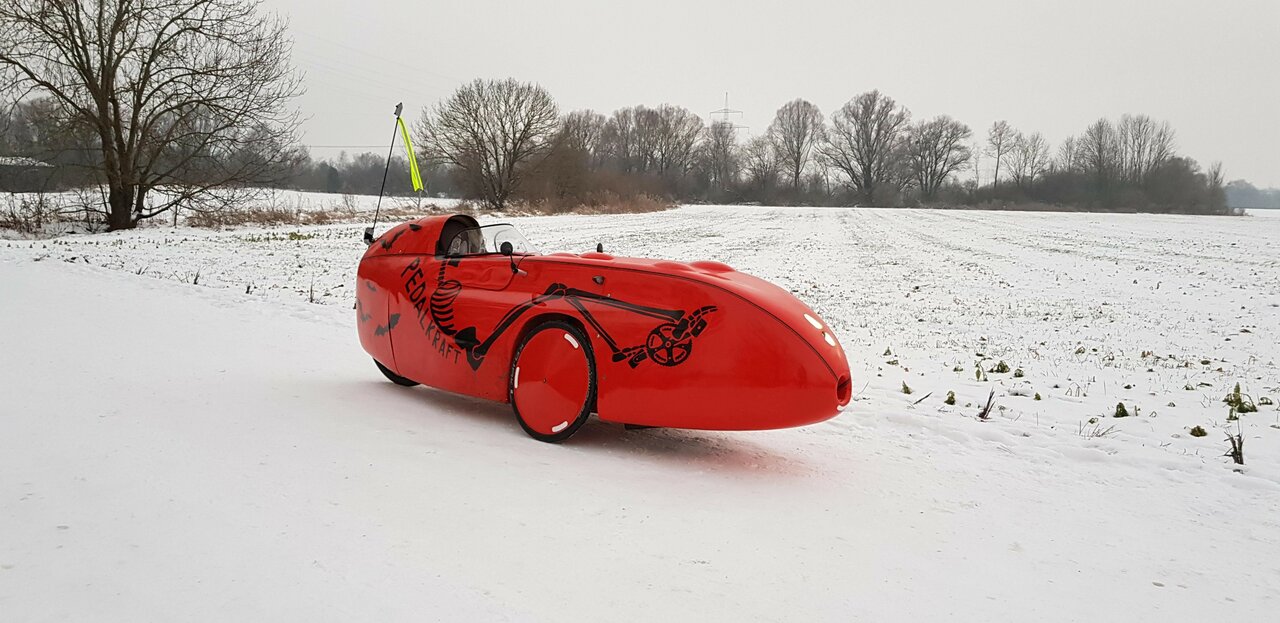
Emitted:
pixel 508 250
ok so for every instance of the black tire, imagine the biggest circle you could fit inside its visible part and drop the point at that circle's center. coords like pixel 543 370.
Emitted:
pixel 393 377
pixel 590 402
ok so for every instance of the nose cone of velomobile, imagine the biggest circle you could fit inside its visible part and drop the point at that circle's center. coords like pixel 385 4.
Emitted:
pixel 765 361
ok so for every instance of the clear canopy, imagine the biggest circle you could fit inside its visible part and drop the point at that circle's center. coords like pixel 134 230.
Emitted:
pixel 489 240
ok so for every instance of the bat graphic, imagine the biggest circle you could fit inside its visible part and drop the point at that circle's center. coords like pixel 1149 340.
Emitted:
pixel 391 324
pixel 386 244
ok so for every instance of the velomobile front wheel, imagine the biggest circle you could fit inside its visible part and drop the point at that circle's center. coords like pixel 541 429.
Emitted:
pixel 553 381
pixel 393 377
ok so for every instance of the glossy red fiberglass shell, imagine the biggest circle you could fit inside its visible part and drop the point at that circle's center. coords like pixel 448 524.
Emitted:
pixel 677 345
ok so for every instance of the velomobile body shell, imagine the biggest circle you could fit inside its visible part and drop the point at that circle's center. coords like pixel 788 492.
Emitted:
pixel 676 345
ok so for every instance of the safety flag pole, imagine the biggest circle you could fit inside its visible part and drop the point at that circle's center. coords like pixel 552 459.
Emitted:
pixel 414 175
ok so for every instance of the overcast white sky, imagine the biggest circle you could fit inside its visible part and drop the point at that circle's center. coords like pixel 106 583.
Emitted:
pixel 1212 69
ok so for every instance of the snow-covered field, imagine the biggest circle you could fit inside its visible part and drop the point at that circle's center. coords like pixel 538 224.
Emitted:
pixel 190 431
pixel 42 215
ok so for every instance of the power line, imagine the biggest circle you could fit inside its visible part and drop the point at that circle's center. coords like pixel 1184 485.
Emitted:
pixel 355 78
pixel 402 63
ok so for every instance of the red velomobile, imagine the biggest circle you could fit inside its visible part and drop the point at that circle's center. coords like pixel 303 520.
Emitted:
pixel 474 310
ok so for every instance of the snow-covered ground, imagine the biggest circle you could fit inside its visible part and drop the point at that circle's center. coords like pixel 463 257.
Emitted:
pixel 224 450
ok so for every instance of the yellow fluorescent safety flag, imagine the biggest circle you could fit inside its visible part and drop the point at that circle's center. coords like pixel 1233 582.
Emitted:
pixel 413 158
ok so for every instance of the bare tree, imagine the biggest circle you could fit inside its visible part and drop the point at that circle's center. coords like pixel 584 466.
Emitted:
pixel 761 163
pixel 676 134
pixel 975 156
pixel 1163 146
pixel 643 140
pixel 583 131
pixel 1217 199
pixel 1132 134
pixel 1215 175
pixel 865 143
pixel 648 133
pixel 936 149
pixel 492 131
pixel 720 152
pixel 1142 145
pixel 797 130
pixel 1068 159
pixel 620 141
pixel 575 152
pixel 1000 139
pixel 1099 152
pixel 658 140
pixel 1028 158
pixel 188 96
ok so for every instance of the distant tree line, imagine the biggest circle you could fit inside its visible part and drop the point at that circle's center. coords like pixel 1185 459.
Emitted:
pixel 1242 194
pixel 504 142
pixel 37 131
pixel 361 174
pixel 61 155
